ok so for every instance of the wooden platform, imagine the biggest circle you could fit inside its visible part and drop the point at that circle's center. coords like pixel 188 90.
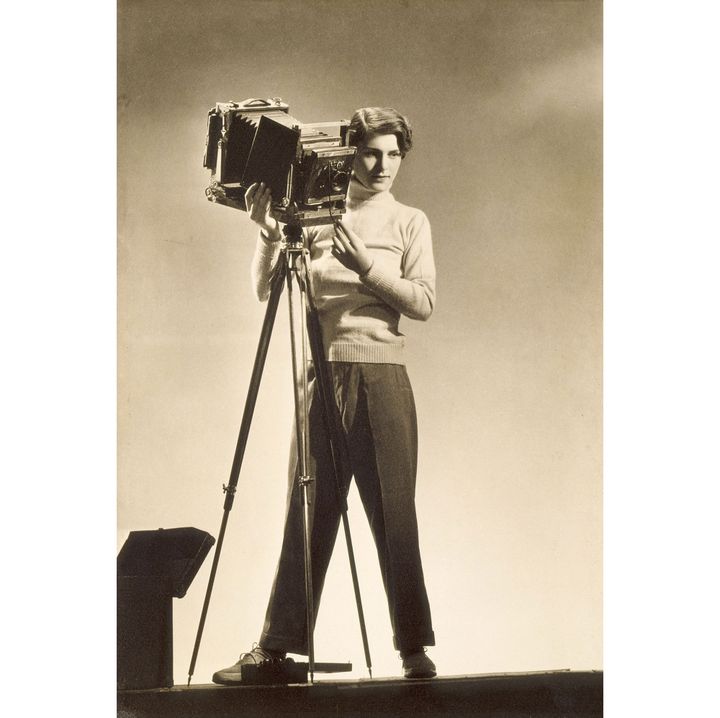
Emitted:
pixel 555 694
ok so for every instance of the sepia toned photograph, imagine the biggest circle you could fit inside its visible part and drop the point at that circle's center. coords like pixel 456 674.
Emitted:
pixel 360 357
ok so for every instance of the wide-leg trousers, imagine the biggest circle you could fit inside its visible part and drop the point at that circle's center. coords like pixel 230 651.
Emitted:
pixel 377 410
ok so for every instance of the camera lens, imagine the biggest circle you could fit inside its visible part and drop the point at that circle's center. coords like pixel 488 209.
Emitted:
pixel 339 181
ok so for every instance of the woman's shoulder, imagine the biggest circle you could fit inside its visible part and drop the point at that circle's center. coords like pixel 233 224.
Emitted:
pixel 411 215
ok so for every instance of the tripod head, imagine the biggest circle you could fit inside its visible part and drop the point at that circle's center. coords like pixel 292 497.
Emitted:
pixel 293 232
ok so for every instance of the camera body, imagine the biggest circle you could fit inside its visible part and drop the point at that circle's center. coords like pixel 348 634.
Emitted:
pixel 307 166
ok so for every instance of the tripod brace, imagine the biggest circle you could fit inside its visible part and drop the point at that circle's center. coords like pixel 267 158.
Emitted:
pixel 293 261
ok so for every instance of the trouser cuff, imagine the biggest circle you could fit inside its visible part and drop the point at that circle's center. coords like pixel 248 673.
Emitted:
pixel 282 644
pixel 421 640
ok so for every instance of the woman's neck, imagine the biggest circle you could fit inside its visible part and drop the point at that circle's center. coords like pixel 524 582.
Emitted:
pixel 358 193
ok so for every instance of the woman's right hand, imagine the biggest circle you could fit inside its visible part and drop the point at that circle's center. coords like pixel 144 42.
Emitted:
pixel 258 200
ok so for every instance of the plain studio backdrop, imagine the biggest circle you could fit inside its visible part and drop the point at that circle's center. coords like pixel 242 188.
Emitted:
pixel 506 103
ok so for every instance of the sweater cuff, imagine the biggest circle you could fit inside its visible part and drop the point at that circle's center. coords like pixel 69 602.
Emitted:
pixel 266 238
pixel 375 278
pixel 266 248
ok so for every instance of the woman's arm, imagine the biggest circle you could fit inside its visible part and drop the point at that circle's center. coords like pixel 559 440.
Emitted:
pixel 258 201
pixel 262 265
pixel 413 294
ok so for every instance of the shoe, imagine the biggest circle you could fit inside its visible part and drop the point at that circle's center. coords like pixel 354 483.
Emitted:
pixel 232 675
pixel 418 665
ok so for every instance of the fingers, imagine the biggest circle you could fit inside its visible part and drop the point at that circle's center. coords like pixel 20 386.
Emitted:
pixel 341 250
pixel 341 241
pixel 342 231
pixel 258 201
pixel 250 194
pixel 349 237
pixel 258 194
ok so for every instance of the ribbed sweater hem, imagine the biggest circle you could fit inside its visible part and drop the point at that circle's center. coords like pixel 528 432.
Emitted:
pixel 367 353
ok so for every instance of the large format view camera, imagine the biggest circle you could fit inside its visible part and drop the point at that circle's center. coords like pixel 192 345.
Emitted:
pixel 306 166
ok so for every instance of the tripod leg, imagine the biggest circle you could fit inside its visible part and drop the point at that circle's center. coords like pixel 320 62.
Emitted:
pixel 338 446
pixel 229 490
pixel 301 427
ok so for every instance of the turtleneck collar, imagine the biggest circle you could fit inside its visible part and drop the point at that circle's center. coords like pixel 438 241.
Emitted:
pixel 358 193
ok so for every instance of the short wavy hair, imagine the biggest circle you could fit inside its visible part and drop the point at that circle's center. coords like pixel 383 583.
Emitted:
pixel 380 121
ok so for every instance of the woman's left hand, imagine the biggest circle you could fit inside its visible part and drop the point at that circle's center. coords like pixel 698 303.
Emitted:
pixel 350 250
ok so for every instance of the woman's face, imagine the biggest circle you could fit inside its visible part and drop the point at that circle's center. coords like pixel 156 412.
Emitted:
pixel 377 162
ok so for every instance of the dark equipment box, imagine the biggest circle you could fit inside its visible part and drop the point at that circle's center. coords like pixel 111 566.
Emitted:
pixel 152 568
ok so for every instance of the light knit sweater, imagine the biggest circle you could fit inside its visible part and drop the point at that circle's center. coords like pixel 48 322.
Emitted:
pixel 359 316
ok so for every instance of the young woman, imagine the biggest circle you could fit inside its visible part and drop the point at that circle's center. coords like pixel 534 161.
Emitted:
pixel 367 270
